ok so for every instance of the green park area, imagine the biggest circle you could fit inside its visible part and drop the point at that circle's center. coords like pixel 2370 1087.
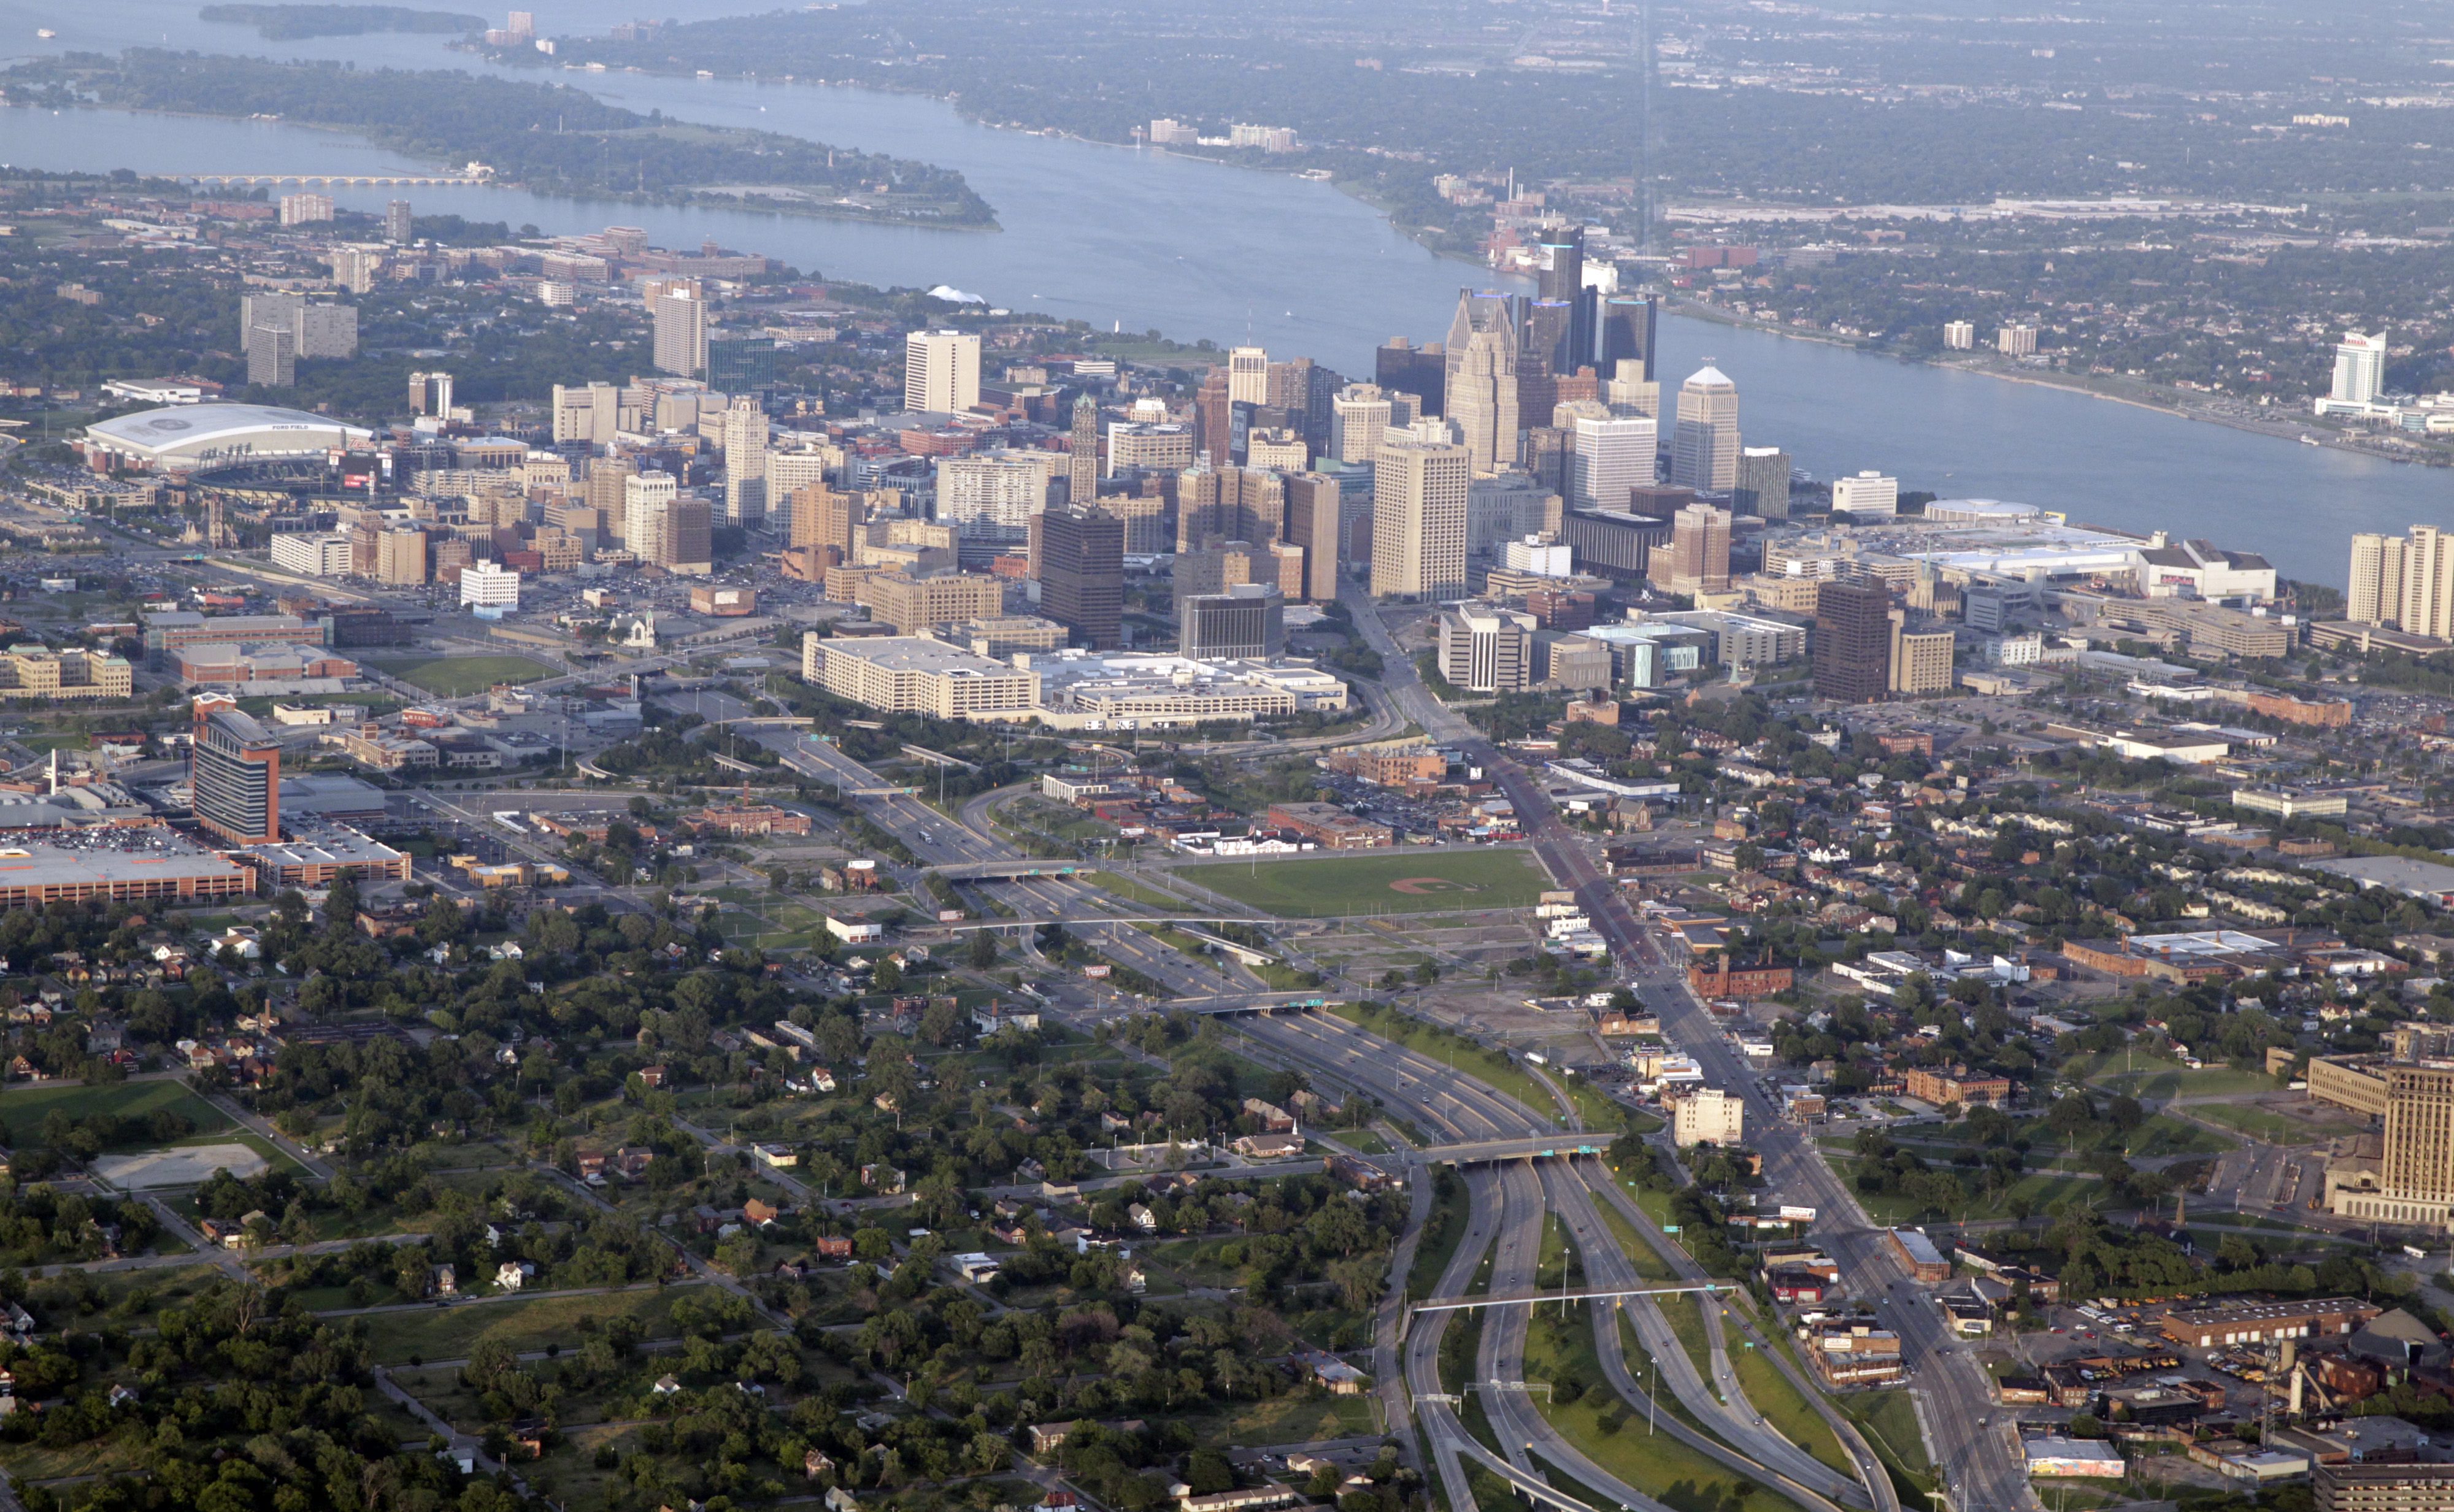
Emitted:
pixel 458 676
pixel 1393 882
pixel 133 1104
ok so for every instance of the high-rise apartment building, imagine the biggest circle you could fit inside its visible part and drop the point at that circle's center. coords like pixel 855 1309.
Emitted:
pixel 429 393
pixel 272 358
pixel 991 496
pixel 1314 507
pixel 1248 375
pixel 1487 649
pixel 681 326
pixel 320 329
pixel 2405 581
pixel 305 208
pixel 1418 508
pixel 355 268
pixel 1083 462
pixel 1704 447
pixel 1083 574
pixel 1608 455
pixel 2016 340
pixel 400 227
pixel 2359 369
pixel 1867 495
pixel 941 372
pixel 1959 335
pixel 235 773
pixel 745 464
pixel 1763 482
pixel 1853 640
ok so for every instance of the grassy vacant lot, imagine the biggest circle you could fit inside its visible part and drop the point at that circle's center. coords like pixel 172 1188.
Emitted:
pixel 525 1323
pixel 458 676
pixel 23 1109
pixel 1382 884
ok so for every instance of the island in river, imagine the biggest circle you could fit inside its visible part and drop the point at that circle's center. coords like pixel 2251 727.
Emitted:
pixel 547 138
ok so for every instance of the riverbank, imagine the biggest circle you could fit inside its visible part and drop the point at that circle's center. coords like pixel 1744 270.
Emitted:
pixel 2153 402
pixel 540 138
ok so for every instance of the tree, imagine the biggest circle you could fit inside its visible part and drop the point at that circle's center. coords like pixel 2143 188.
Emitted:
pixel 983 950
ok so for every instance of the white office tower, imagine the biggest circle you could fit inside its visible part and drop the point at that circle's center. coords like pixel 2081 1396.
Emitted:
pixel 680 318
pixel 2359 369
pixel 489 585
pixel 1248 375
pixel 1418 506
pixel 1607 456
pixel 745 464
pixel 941 372
pixel 1358 414
pixel 787 473
pixel 991 498
pixel 1704 448
pixel 1869 495
pixel 647 506
pixel 1538 557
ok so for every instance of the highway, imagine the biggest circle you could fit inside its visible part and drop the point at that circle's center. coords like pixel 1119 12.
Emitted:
pixel 1508 1199
pixel 1572 865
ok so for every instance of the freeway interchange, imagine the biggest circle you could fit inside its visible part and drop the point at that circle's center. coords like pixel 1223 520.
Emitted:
pixel 1517 1164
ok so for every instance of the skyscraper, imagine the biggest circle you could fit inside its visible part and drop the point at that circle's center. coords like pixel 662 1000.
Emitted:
pixel 1248 375
pixel 1763 482
pixel 745 464
pixel 1418 506
pixel 2359 369
pixel 272 358
pixel 1853 640
pixel 822 517
pixel 1608 455
pixel 1082 463
pixel 736 364
pixel 1699 558
pixel 1483 398
pixel 1627 324
pixel 1214 416
pixel 1486 649
pixel 1358 415
pixel 235 773
pixel 1215 503
pixel 1313 512
pixel 400 226
pixel 1083 574
pixel 429 393
pixel 2375 595
pixel 1704 448
pixel 941 372
pixel 681 332
pixel 646 500
pixel 1401 367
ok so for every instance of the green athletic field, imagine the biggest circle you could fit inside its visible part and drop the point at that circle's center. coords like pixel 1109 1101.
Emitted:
pixel 458 676
pixel 1386 882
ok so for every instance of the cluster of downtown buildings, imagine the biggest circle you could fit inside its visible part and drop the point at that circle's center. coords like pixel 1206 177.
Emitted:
pixel 1086 542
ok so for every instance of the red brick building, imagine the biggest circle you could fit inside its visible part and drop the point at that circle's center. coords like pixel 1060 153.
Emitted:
pixel 1745 982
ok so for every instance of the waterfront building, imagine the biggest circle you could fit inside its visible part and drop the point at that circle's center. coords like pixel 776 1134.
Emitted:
pixel 2359 369
pixel 1868 496
pixel 1704 446
pixel 1959 335
pixel 2016 340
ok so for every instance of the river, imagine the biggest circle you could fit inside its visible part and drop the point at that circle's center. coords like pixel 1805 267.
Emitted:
pixel 1147 241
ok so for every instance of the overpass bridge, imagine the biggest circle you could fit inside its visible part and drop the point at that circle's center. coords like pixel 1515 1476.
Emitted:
pixel 1537 1147
pixel 349 180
